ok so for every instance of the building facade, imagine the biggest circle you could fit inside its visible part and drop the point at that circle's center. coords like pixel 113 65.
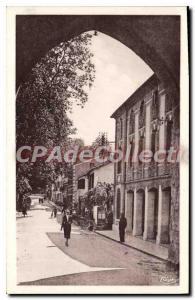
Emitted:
pixel 88 176
pixel 80 181
pixel 147 177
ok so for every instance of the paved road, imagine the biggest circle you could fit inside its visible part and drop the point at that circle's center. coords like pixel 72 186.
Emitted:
pixel 43 258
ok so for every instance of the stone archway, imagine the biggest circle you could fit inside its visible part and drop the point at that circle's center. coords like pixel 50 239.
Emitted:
pixel 129 210
pixel 156 39
pixel 37 34
pixel 139 213
pixel 164 217
pixel 151 214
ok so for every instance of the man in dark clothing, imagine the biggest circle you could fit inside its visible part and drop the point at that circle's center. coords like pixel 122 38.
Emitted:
pixel 66 225
pixel 63 210
pixel 55 212
pixel 24 210
pixel 122 226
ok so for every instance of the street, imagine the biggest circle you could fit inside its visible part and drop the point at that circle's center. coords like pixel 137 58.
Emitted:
pixel 90 259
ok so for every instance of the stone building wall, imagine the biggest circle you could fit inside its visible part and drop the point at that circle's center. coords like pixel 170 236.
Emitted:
pixel 161 107
pixel 175 188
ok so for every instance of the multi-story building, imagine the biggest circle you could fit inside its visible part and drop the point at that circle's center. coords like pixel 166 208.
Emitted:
pixel 146 185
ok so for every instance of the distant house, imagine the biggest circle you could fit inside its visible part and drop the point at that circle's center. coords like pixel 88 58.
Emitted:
pixel 80 180
pixel 88 175
pixel 103 172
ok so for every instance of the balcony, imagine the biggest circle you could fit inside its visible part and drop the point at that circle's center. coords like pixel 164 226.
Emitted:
pixel 149 170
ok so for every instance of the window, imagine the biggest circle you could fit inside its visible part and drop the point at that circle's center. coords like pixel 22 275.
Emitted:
pixel 81 184
pixel 118 204
pixel 153 142
pixel 132 145
pixel 119 164
pixel 169 135
pixel 121 128
pixel 141 147
pixel 91 181
pixel 132 122
pixel 155 105
pixel 141 115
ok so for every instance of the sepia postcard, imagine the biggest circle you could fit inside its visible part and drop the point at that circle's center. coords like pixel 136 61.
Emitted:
pixel 97 148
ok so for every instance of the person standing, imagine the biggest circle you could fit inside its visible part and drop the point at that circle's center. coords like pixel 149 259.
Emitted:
pixel 55 212
pixel 122 226
pixel 66 225
pixel 63 210
pixel 52 212
pixel 24 210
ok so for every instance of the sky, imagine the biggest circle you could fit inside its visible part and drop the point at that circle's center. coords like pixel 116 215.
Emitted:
pixel 119 72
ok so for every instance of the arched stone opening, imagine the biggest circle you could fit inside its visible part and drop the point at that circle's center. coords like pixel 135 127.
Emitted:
pixel 151 214
pixel 139 33
pixel 139 213
pixel 37 34
pixel 163 236
pixel 129 210
pixel 166 208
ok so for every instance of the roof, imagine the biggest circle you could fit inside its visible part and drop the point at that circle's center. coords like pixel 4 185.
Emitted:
pixel 139 93
pixel 96 166
pixel 81 169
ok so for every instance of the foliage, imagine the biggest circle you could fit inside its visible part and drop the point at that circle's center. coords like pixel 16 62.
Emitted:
pixel 77 142
pixel 101 140
pixel 55 82
pixel 101 195
pixel 44 99
pixel 22 185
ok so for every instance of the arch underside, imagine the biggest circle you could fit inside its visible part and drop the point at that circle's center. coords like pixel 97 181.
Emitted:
pixel 156 39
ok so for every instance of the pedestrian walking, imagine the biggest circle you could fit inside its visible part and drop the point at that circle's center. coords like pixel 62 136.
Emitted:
pixel 66 225
pixel 63 210
pixel 52 212
pixel 122 226
pixel 55 212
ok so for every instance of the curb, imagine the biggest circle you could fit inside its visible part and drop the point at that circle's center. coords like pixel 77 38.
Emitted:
pixel 129 246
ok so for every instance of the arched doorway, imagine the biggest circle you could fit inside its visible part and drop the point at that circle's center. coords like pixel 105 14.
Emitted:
pixel 165 215
pixel 151 214
pixel 139 33
pixel 129 210
pixel 139 213
pixel 136 32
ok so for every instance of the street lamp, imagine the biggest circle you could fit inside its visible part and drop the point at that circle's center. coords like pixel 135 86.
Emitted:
pixel 160 121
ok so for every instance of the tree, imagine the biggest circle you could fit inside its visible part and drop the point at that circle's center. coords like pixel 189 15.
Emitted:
pixel 102 195
pixel 76 142
pixel 22 185
pixel 101 140
pixel 44 99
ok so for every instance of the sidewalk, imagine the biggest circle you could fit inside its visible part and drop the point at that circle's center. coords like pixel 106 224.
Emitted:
pixel 137 243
